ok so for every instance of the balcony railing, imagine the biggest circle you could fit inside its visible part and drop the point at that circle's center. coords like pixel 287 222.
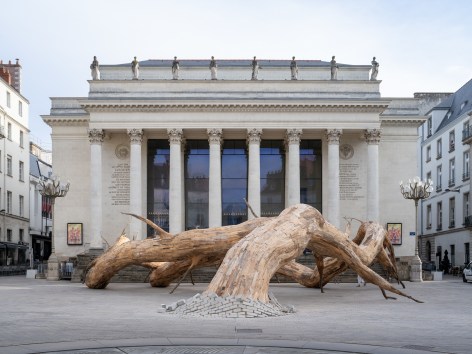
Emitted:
pixel 465 176
pixel 452 224
pixel 468 221
pixel 438 156
pixel 438 188
pixel 466 135
pixel 439 228
pixel 452 182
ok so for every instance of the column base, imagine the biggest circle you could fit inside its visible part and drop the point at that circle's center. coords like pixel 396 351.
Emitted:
pixel 416 271
pixel 53 267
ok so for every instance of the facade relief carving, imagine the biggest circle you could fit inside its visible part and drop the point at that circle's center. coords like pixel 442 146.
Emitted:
pixel 175 135
pixel 215 136
pixel 333 136
pixel 372 136
pixel 293 136
pixel 254 136
pixel 135 136
pixel 346 151
pixel 122 151
pixel 96 136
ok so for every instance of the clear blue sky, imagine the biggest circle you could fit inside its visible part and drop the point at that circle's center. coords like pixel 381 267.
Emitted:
pixel 421 45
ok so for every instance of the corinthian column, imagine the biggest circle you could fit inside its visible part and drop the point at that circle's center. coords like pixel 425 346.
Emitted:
pixel 135 185
pixel 96 139
pixel 214 202
pixel 333 176
pixel 175 180
pixel 372 138
pixel 293 142
pixel 254 171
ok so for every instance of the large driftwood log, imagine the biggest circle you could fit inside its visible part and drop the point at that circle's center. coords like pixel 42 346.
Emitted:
pixel 188 245
pixel 263 247
pixel 249 265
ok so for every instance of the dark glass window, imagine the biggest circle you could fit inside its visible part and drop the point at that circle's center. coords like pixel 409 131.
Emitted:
pixel 272 177
pixel 310 173
pixel 197 170
pixel 234 182
pixel 158 184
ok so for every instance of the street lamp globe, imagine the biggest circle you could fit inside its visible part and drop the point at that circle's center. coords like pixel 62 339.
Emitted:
pixel 416 189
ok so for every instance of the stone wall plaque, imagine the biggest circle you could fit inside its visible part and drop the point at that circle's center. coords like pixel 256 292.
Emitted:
pixel 350 187
pixel 119 188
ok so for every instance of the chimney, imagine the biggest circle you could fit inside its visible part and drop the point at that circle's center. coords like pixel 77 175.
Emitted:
pixel 13 73
pixel 5 75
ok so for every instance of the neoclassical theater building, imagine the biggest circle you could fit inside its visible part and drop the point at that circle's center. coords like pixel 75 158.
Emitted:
pixel 185 148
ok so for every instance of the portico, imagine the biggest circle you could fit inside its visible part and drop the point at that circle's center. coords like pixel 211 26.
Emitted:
pixel 186 153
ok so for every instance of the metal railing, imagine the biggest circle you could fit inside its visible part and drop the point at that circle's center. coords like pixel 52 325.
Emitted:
pixel 468 221
pixel 466 134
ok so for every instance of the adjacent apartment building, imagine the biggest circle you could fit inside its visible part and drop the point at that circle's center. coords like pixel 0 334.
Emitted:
pixel 14 171
pixel 446 221
pixel 40 206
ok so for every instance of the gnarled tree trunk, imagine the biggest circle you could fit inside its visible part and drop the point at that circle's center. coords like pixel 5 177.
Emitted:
pixel 253 252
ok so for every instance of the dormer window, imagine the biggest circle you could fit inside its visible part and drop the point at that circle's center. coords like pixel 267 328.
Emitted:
pixel 430 126
pixel 463 104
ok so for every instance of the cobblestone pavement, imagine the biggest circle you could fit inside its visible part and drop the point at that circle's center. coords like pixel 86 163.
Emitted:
pixel 40 316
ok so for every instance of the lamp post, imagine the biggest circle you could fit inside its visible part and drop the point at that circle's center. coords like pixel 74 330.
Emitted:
pixel 416 189
pixel 53 188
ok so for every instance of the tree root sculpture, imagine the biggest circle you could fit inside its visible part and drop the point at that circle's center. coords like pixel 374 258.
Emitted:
pixel 252 252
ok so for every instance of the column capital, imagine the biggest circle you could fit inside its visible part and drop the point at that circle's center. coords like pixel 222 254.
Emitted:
pixel 293 136
pixel 135 136
pixel 175 135
pixel 96 136
pixel 333 136
pixel 372 136
pixel 254 136
pixel 215 135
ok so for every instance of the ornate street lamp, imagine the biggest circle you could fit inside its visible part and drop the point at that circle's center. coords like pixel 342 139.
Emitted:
pixel 416 190
pixel 53 188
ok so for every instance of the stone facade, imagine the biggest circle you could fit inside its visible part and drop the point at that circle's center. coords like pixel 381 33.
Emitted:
pixel 367 144
pixel 15 242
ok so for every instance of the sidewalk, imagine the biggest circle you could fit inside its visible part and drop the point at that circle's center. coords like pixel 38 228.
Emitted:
pixel 40 316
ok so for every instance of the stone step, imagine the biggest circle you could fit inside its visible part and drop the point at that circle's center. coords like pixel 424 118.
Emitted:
pixel 137 274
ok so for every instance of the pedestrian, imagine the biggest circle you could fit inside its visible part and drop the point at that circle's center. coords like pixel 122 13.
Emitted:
pixel 360 281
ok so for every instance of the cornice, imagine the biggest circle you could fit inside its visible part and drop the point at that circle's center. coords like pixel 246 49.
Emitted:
pixel 413 121
pixel 65 121
pixel 149 107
